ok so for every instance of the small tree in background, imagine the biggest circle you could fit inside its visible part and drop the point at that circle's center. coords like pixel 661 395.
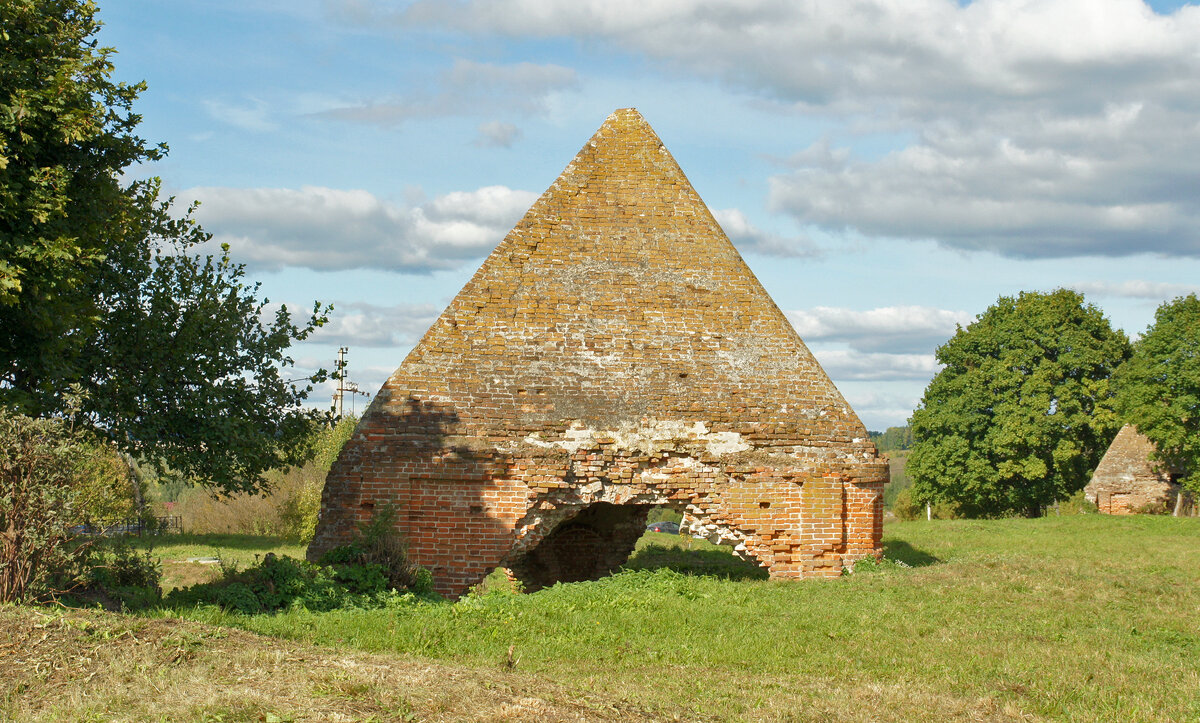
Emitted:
pixel 1023 410
pixel 1159 387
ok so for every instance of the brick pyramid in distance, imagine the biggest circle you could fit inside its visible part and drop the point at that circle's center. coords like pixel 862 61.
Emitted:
pixel 614 352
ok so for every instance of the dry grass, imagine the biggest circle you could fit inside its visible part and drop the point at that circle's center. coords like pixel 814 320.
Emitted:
pixel 92 666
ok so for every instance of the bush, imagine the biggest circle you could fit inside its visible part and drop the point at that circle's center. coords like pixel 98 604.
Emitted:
pixel 1077 504
pixel 378 544
pixel 664 514
pixel 373 571
pixel 905 507
pixel 40 481
pixel 116 577
pixel 106 487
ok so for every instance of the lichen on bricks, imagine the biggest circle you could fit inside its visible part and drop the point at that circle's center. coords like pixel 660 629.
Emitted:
pixel 612 354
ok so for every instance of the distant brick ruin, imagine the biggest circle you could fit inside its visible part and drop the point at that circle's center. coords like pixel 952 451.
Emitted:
pixel 614 353
pixel 1128 481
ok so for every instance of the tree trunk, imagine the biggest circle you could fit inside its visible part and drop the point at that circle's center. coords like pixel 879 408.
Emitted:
pixel 135 481
pixel 1178 503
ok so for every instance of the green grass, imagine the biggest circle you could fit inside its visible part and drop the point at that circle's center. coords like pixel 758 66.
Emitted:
pixel 241 550
pixel 237 548
pixel 1069 618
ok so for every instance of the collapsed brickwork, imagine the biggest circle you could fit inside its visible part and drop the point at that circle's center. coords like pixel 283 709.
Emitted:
pixel 1128 481
pixel 613 353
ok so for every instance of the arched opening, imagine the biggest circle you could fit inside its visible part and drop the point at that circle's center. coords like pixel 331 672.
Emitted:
pixel 588 546
pixel 602 537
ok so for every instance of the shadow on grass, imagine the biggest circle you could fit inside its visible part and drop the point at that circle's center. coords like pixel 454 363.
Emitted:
pixel 714 563
pixel 906 553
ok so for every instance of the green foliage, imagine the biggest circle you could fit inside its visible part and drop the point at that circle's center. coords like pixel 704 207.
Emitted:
pixel 281 583
pixel 664 514
pixel 327 441
pixel 302 486
pixel 1159 387
pixel 99 285
pixel 905 507
pixel 893 438
pixel 105 490
pixel 1023 409
pixel 379 544
pixel 897 471
pixel 115 575
pixel 372 571
pixel 1077 504
pixel 39 489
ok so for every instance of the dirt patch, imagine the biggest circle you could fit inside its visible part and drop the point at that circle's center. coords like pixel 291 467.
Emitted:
pixel 85 665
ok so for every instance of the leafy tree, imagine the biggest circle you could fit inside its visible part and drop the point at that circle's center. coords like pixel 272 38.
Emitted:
pixel 1023 409
pixel 1159 387
pixel 893 438
pixel 102 287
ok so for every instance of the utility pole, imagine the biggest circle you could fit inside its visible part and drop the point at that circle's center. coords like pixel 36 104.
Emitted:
pixel 343 386
pixel 339 373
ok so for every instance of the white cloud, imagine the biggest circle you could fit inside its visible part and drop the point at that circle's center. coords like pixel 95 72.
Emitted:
pixel 882 410
pixel 898 329
pixel 360 324
pixel 331 229
pixel 252 114
pixel 851 365
pixel 467 88
pixel 1152 290
pixel 1034 129
pixel 497 134
pixel 749 238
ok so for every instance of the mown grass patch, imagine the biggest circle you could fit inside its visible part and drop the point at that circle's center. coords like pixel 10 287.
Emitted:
pixel 174 551
pixel 1084 618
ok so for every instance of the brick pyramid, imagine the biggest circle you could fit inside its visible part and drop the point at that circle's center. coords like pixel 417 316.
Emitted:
pixel 1128 480
pixel 613 353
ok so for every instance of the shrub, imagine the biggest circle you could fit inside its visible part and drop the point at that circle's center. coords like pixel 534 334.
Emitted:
pixel 379 544
pixel 115 576
pixel 40 463
pixel 106 487
pixel 1077 504
pixel 373 571
pixel 905 507
pixel 664 514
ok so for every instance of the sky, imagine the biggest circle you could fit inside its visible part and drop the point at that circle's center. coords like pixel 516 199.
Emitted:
pixel 888 168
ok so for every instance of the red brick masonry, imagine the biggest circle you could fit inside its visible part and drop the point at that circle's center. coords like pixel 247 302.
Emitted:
pixel 612 354
pixel 1127 480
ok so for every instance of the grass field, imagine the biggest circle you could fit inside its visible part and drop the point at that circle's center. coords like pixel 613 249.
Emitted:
pixel 174 551
pixel 1088 618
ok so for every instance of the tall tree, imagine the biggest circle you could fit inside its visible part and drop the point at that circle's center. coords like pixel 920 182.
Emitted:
pixel 1023 409
pixel 1159 387
pixel 101 287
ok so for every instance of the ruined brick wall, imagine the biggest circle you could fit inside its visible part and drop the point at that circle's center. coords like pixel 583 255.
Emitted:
pixel 1127 480
pixel 613 353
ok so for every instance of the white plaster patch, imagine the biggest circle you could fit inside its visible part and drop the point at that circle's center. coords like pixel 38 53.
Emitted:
pixel 647 437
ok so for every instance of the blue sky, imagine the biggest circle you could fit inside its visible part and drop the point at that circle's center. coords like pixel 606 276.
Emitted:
pixel 887 169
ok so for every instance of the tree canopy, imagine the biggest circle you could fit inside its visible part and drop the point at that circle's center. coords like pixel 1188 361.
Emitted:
pixel 1023 409
pixel 892 438
pixel 171 353
pixel 1159 387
